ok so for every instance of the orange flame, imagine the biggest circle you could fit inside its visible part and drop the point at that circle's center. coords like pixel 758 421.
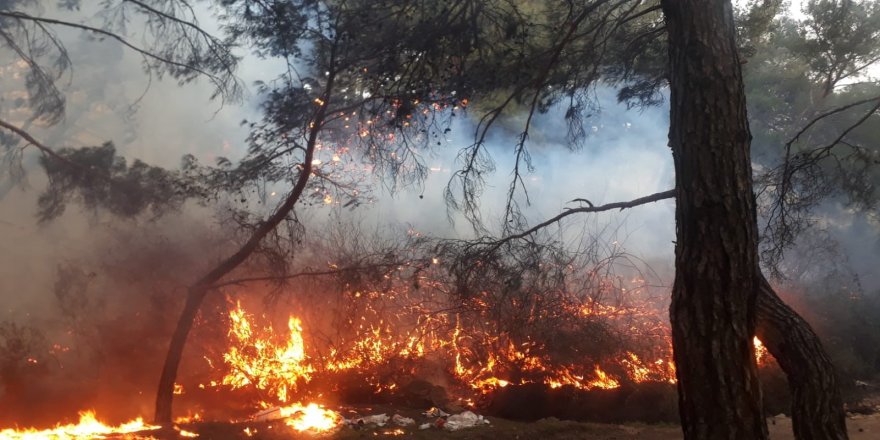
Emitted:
pixel 264 362
pixel 761 352
pixel 88 428
pixel 312 418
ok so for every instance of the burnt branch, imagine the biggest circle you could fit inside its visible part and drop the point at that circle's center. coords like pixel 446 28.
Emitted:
pixel 39 145
pixel 670 194
pixel 307 274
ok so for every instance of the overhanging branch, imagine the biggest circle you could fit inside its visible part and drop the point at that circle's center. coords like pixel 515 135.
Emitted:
pixel 220 82
pixel 44 149
pixel 587 209
pixel 306 274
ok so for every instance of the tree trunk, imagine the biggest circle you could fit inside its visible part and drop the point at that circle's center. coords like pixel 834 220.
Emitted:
pixel 716 252
pixel 197 292
pixel 816 406
pixel 165 392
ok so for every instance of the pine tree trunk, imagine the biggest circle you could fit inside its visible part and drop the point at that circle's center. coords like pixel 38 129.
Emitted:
pixel 165 392
pixel 197 292
pixel 716 253
pixel 816 405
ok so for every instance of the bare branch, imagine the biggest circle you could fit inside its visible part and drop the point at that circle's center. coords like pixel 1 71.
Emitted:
pixel 587 209
pixel 305 274
pixel 823 116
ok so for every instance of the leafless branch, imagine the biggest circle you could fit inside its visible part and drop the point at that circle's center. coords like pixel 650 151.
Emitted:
pixel 587 209
pixel 305 274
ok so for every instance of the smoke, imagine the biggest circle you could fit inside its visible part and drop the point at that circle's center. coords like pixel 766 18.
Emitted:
pixel 624 157
pixel 141 267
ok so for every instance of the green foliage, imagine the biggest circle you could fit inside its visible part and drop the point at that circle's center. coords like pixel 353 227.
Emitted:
pixel 170 41
pixel 814 121
pixel 96 177
pixel 391 74
pixel 840 38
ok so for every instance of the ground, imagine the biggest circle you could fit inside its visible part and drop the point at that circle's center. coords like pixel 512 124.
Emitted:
pixel 861 427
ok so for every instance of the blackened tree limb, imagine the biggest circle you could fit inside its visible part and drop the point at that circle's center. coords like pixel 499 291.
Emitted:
pixel 307 274
pixel 669 194
pixel 826 114
pixel 817 407
pixel 784 220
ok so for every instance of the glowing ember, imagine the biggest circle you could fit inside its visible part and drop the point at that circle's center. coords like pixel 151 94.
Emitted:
pixel 312 417
pixel 760 351
pixel 88 427
pixel 188 434
pixel 189 418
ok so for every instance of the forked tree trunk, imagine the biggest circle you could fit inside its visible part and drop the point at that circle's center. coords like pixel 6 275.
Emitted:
pixel 716 252
pixel 816 406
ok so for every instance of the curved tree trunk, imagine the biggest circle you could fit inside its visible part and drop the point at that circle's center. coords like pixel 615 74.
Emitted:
pixel 716 253
pixel 816 406
pixel 198 291
pixel 165 392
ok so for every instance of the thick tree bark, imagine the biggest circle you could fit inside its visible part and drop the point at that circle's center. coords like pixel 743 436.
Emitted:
pixel 816 405
pixel 716 253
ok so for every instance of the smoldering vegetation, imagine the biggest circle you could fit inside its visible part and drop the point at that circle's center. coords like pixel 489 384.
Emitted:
pixel 95 337
pixel 99 339
pixel 102 334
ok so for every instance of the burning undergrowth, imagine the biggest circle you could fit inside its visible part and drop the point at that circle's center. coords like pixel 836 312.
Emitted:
pixel 417 323
pixel 436 325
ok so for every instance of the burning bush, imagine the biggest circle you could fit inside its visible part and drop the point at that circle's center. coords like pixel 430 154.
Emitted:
pixel 426 321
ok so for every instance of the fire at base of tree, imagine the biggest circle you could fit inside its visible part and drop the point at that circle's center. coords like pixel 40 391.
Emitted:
pixel 215 288
pixel 577 337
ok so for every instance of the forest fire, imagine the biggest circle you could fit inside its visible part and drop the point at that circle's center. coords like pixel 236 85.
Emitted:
pixel 88 427
pixel 281 367
pixel 289 372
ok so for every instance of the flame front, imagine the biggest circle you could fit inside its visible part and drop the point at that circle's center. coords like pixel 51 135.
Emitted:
pixel 281 368
pixel 89 427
